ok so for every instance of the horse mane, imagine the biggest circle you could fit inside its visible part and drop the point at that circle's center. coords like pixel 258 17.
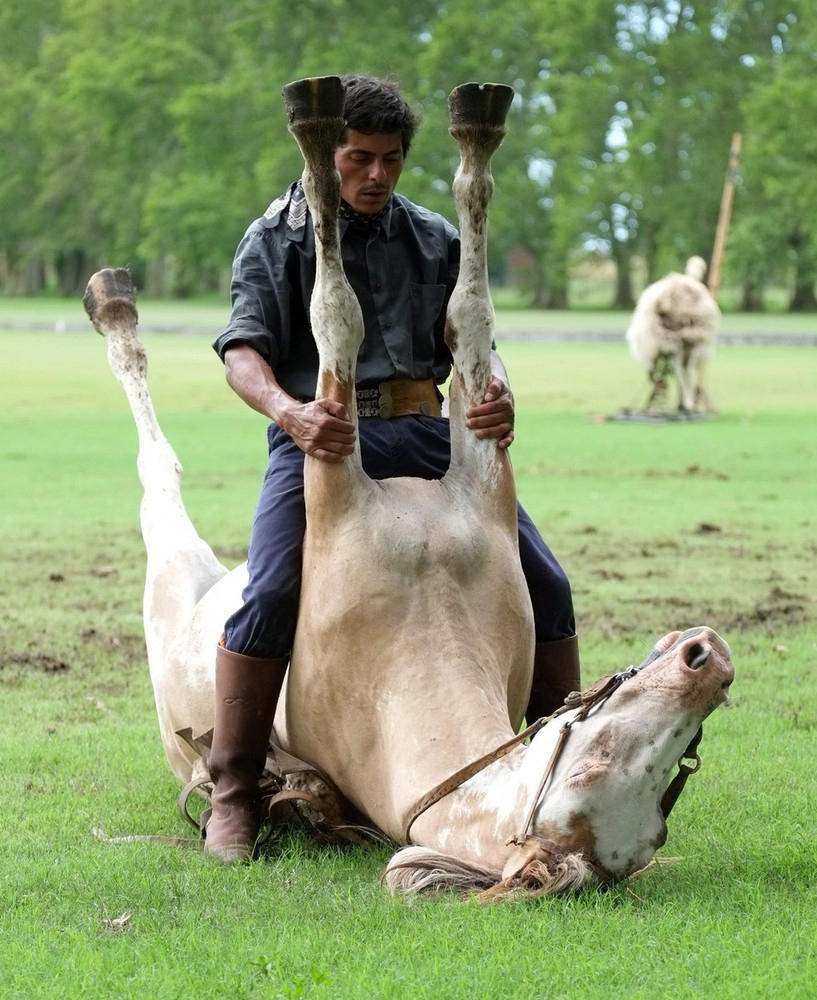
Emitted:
pixel 415 870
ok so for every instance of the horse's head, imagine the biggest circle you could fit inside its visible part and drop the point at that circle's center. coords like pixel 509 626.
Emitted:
pixel 602 800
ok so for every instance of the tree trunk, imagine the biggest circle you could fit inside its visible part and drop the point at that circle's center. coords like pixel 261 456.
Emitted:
pixel 557 292
pixel 803 299
pixel 537 283
pixel 557 298
pixel 35 276
pixel 156 279
pixel 751 297
pixel 649 240
pixel 72 271
pixel 805 275
pixel 623 297
pixel 22 276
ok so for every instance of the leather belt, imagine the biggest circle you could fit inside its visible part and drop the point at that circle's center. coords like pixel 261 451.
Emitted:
pixel 399 397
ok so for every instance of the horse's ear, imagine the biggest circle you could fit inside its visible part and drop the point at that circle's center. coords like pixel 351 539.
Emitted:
pixel 537 868
pixel 524 853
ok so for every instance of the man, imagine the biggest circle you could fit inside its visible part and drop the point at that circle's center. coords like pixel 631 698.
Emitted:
pixel 402 262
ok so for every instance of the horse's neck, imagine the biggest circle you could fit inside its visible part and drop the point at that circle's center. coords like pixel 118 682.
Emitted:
pixel 478 819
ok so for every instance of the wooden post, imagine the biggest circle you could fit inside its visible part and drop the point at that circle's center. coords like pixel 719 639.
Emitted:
pixel 724 215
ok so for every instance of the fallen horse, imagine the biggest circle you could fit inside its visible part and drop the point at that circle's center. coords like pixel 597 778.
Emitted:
pixel 413 654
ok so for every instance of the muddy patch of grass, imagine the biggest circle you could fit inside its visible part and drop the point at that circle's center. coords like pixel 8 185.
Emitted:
pixel 777 612
pixel 128 650
pixel 44 663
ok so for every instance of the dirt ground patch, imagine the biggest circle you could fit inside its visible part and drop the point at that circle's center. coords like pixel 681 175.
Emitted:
pixel 42 662
pixel 128 650
pixel 779 610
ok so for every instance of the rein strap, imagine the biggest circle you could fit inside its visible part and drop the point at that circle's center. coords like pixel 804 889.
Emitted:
pixel 585 700
pixel 460 777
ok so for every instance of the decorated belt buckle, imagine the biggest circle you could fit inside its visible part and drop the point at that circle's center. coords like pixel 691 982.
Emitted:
pixel 368 402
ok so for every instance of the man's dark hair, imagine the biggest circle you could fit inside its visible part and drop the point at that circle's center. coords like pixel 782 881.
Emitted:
pixel 373 105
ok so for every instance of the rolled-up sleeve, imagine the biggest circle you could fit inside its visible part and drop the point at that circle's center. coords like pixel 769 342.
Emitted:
pixel 260 296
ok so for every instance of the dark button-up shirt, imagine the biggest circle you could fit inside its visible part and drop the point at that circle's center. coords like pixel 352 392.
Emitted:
pixel 402 270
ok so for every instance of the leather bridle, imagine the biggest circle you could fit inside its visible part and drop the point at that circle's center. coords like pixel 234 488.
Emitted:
pixel 585 701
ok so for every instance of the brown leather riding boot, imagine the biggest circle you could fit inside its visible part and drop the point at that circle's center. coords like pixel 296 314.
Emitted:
pixel 247 689
pixel 555 674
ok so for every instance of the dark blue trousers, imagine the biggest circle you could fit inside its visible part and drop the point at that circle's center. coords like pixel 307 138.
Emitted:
pixel 404 446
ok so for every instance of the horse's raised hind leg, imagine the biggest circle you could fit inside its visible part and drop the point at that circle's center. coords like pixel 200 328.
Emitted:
pixel 477 124
pixel 181 567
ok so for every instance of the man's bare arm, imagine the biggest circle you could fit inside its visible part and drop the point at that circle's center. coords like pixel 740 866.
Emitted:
pixel 321 428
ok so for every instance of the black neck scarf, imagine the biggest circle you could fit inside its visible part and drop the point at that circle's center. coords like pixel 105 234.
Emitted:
pixel 361 220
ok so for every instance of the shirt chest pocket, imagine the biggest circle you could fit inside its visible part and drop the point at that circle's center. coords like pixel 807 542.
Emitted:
pixel 426 309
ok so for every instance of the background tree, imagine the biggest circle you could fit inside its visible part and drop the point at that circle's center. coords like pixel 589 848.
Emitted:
pixel 780 164
pixel 24 29
pixel 151 134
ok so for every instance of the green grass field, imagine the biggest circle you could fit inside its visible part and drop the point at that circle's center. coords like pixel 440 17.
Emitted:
pixel 660 526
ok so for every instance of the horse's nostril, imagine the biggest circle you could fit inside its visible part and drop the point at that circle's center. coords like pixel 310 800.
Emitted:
pixel 697 656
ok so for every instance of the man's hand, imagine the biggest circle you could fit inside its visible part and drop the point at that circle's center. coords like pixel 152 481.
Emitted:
pixel 493 418
pixel 321 429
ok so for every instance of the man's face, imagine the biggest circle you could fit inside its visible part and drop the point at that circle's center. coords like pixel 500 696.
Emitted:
pixel 369 168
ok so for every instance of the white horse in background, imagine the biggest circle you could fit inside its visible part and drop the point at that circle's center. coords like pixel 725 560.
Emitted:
pixel 673 330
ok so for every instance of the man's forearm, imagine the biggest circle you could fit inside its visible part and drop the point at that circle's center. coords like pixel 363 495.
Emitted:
pixel 252 379
pixel 321 428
